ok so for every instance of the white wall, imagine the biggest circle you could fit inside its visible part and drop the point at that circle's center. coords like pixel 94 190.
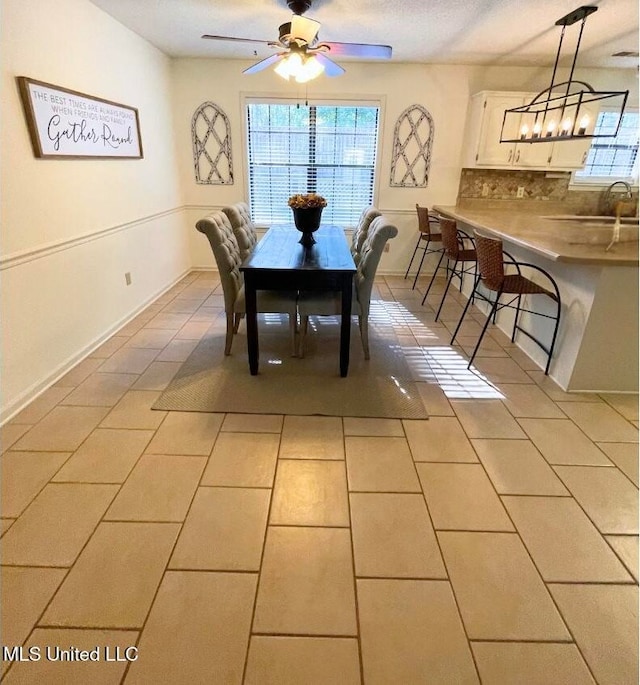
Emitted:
pixel 72 228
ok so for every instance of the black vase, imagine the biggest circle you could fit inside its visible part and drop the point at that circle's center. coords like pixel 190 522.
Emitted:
pixel 307 221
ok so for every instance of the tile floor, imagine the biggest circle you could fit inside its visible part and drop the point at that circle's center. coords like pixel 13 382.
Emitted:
pixel 496 542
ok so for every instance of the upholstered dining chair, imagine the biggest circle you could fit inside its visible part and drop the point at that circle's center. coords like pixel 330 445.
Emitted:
pixel 243 227
pixel 361 230
pixel 491 264
pixel 217 228
pixel 428 233
pixel 329 303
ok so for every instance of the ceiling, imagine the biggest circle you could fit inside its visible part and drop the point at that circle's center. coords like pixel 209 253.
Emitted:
pixel 484 32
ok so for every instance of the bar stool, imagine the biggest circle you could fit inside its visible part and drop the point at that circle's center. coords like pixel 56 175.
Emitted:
pixel 491 265
pixel 426 221
pixel 453 240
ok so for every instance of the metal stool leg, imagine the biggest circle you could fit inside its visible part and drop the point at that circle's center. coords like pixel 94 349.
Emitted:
pixel 433 277
pixel 424 254
pixel 464 311
pixel 484 328
pixel 413 255
pixel 446 289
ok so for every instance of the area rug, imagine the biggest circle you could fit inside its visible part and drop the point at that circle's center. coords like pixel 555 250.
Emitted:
pixel 380 387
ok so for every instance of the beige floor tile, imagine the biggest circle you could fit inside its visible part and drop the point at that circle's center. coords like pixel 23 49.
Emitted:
pixel 380 465
pixel 183 305
pixel 106 456
pixel 128 360
pixel 412 633
pixel 306 584
pixel 523 360
pixel 252 423
pixel 105 644
pixel 152 338
pixel 308 660
pixel 243 460
pixel 23 475
pixel 564 544
pixel 5 524
pixel 500 594
pixel 600 422
pixel 115 578
pixel 177 351
pixel 224 530
pixel 624 455
pixel 41 406
pixel 310 493
pixel 63 429
pixel 486 419
pixel 461 497
pixel 393 537
pixel 56 525
pixel 134 411
pixel 556 393
pixel 604 623
pixel 100 390
pixel 498 370
pixel 157 376
pixel 439 439
pixel 187 433
pixel 160 488
pixel 107 348
pixel 10 433
pixel 193 330
pixel 625 404
pixel 434 399
pixel 562 442
pixel 198 630
pixel 312 437
pixel 503 663
pixel 25 593
pixel 529 401
pixel 515 467
pixel 626 547
pixel 606 495
pixel 373 427
pixel 169 320
pixel 78 373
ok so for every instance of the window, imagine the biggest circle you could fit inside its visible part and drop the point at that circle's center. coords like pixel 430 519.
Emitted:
pixel 611 159
pixel 325 149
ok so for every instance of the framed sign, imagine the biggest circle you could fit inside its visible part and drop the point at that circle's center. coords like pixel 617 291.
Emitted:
pixel 65 124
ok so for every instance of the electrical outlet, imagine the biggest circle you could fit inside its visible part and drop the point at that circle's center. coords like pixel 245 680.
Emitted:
pixel 485 189
pixel 520 192
pixel 127 278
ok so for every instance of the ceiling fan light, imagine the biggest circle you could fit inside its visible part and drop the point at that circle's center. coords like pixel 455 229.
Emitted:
pixel 309 70
pixel 289 66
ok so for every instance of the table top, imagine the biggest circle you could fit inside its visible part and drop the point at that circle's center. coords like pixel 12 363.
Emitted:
pixel 557 239
pixel 279 250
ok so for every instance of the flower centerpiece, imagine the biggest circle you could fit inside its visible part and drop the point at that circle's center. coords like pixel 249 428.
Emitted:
pixel 307 212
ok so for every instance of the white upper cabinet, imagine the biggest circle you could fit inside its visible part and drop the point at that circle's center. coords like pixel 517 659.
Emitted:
pixel 484 149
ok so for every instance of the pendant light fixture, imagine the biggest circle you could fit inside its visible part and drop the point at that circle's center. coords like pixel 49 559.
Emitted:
pixel 563 111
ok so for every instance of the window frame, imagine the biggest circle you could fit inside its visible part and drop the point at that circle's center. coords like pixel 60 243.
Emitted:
pixel 601 182
pixel 378 101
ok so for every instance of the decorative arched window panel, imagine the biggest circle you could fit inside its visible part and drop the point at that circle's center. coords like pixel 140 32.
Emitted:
pixel 211 139
pixel 412 143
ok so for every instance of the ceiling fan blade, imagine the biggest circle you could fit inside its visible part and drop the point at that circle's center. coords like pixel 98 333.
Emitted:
pixel 264 63
pixel 330 67
pixel 367 50
pixel 237 40
pixel 303 28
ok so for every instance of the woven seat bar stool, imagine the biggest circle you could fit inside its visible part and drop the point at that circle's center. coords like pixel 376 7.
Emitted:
pixel 457 254
pixel 426 222
pixel 491 264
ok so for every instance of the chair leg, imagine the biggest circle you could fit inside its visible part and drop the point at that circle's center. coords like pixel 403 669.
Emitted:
pixel 515 322
pixel 444 294
pixel 229 337
pixel 424 254
pixel 413 255
pixel 363 323
pixel 484 328
pixel 304 322
pixel 236 321
pixel 555 333
pixel 464 311
pixel 293 329
pixel 433 277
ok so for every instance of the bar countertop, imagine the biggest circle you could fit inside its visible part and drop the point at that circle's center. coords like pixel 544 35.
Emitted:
pixel 577 240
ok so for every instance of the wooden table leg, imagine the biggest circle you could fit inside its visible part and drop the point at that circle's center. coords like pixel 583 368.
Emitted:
pixel 345 325
pixel 252 327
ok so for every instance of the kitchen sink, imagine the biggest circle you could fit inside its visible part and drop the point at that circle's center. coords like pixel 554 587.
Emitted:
pixel 594 220
pixel 596 230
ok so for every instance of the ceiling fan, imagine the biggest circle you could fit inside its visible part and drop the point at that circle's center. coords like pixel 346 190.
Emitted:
pixel 302 56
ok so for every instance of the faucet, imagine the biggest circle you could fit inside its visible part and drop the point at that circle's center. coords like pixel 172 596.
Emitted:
pixel 607 200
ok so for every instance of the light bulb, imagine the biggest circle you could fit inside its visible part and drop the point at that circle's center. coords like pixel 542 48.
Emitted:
pixel 536 130
pixel 289 66
pixel 523 131
pixel 311 69
pixel 584 122
pixel 551 127
pixel 566 126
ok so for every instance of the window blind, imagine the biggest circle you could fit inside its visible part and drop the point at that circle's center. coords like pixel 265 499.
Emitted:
pixel 325 149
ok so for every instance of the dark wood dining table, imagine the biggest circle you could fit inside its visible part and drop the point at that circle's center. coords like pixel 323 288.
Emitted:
pixel 280 262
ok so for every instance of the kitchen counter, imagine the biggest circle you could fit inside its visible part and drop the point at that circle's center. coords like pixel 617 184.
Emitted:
pixel 597 346
pixel 579 240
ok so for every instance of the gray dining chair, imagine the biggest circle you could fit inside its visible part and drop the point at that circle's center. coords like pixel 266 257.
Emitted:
pixel 329 303
pixel 217 228
pixel 243 227
pixel 361 230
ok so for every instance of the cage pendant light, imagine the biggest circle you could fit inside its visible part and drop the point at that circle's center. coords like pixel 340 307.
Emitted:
pixel 566 110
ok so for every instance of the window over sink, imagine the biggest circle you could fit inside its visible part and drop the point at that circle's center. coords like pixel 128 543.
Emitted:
pixel 329 149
